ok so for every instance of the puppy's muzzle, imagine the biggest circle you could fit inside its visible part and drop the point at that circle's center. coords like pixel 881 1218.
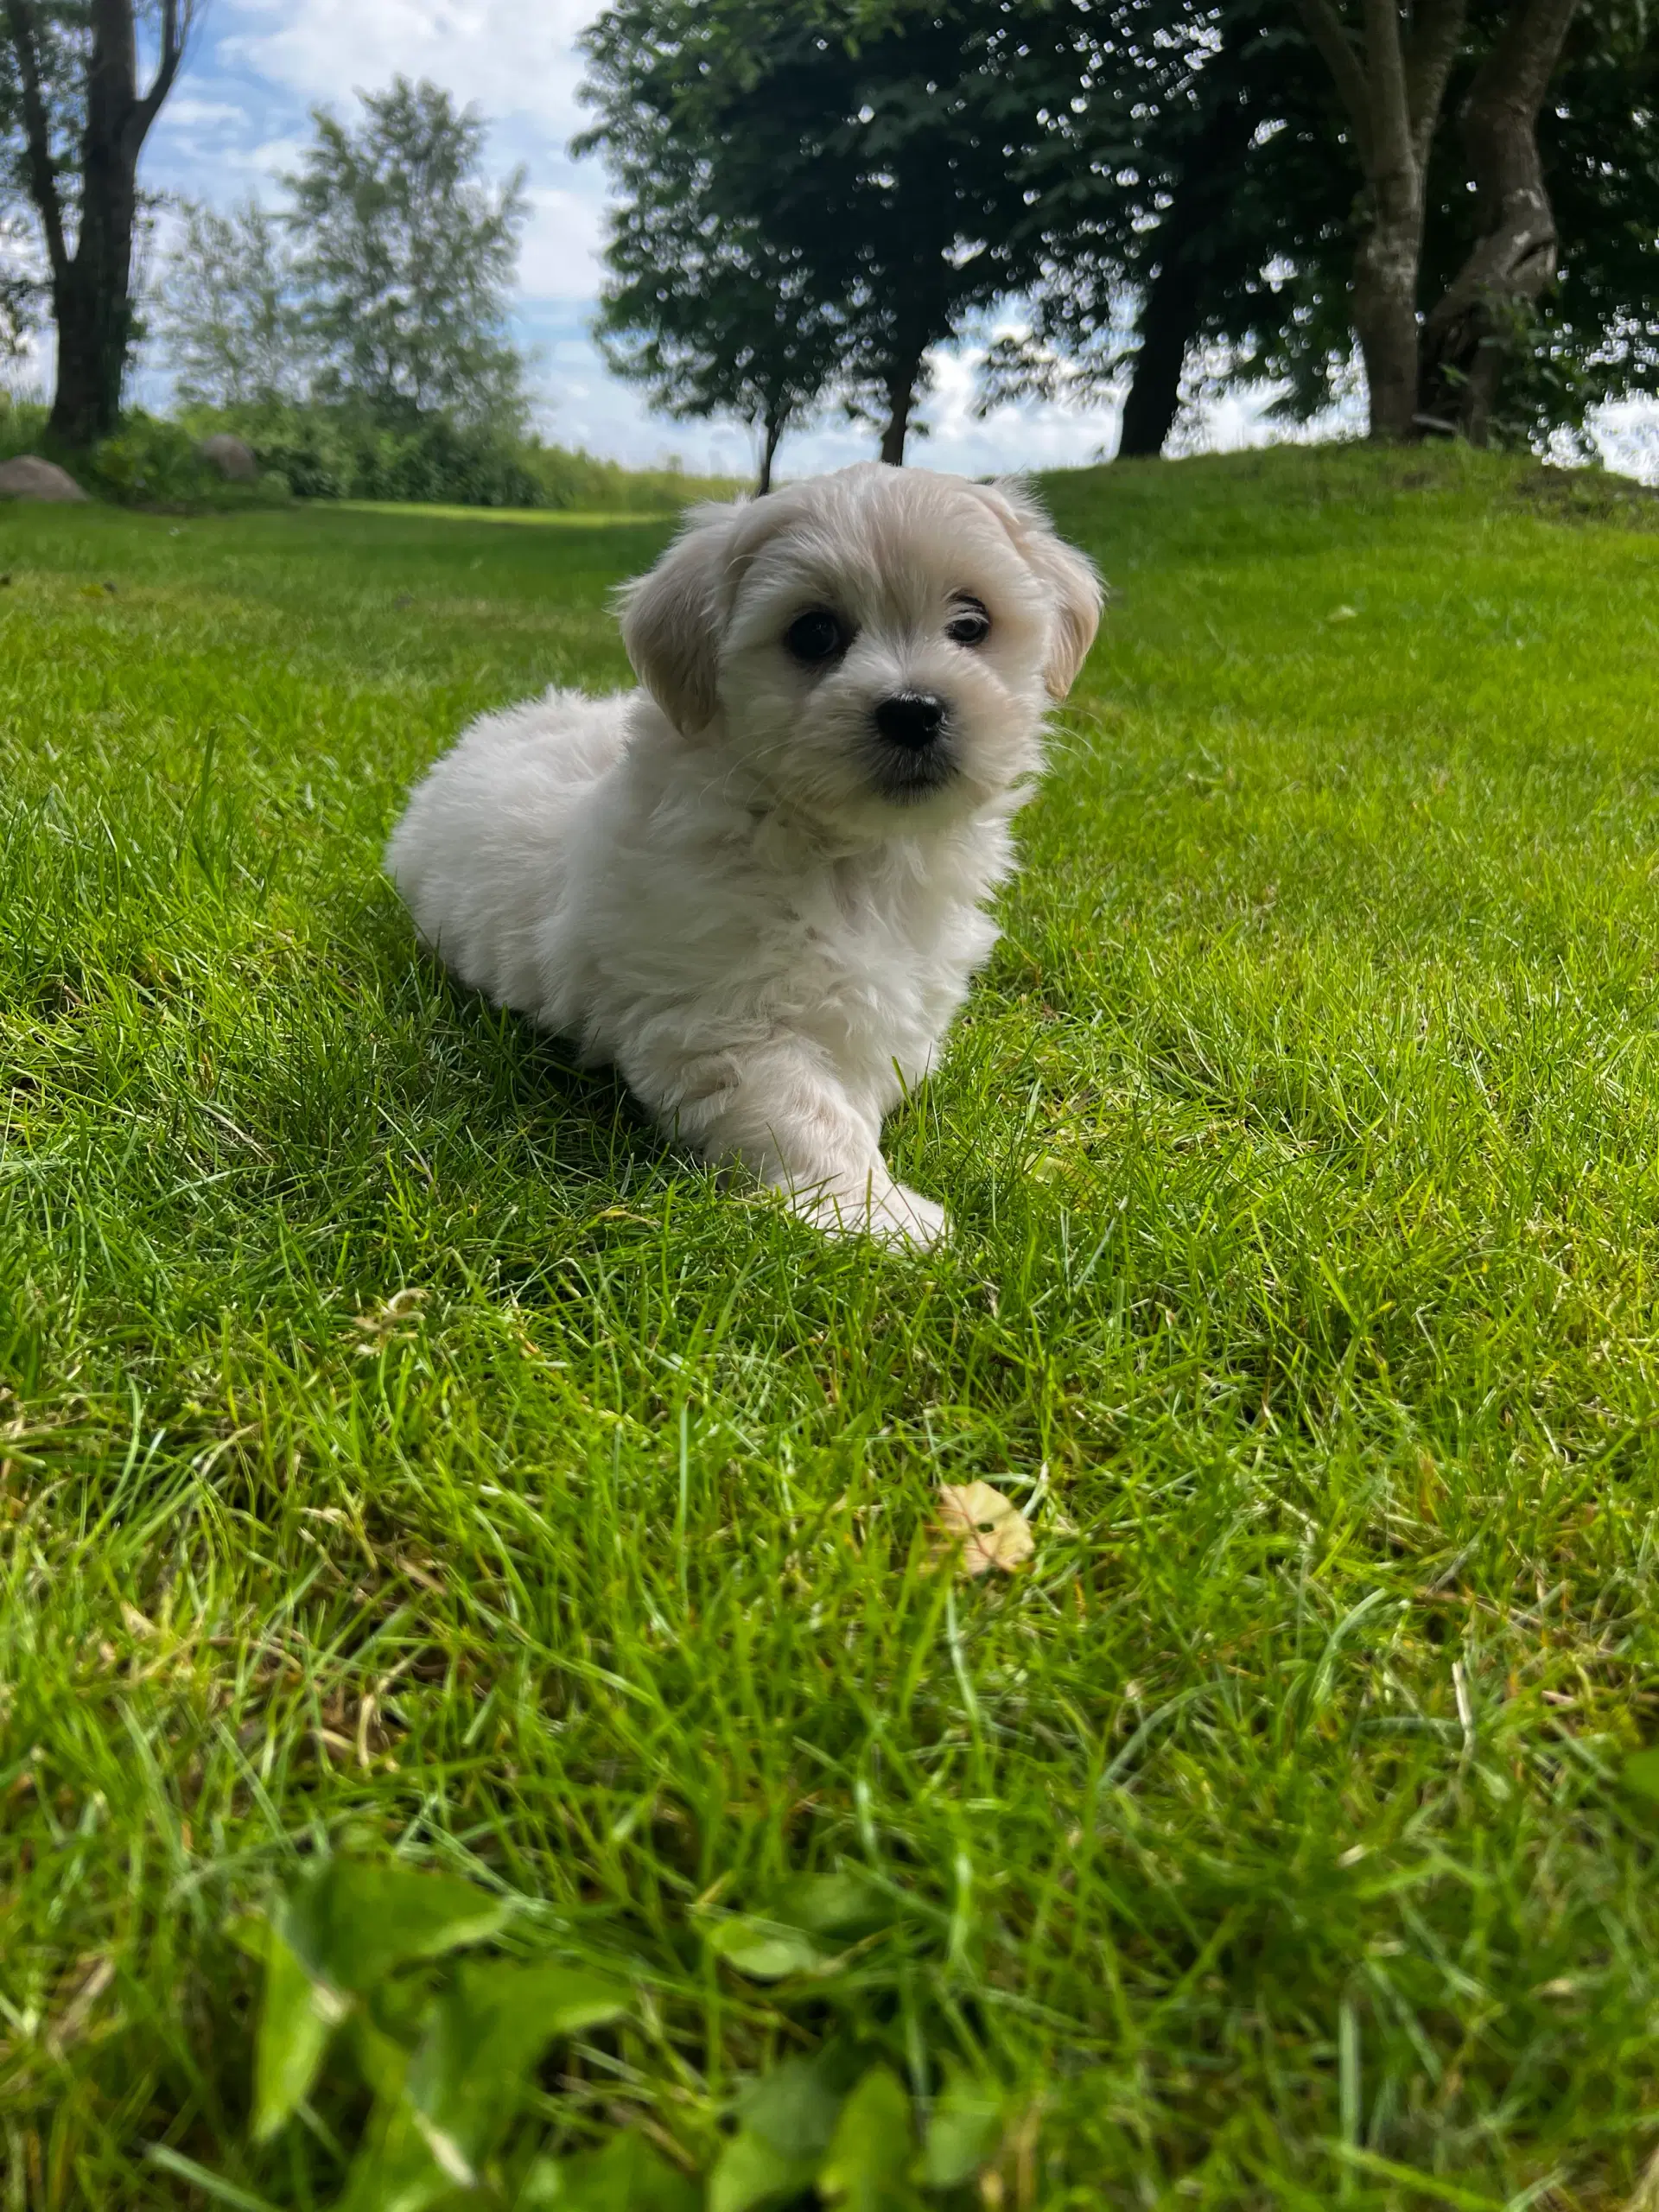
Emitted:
pixel 910 719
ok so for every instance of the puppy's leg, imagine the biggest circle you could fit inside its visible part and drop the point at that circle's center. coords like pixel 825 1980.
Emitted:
pixel 780 1111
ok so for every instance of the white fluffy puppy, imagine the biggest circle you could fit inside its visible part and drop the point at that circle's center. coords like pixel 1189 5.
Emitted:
pixel 757 885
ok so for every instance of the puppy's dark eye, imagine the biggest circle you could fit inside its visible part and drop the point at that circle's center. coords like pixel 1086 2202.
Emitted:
pixel 816 636
pixel 971 625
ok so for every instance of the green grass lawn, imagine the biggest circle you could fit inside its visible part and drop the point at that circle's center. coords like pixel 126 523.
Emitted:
pixel 400 1451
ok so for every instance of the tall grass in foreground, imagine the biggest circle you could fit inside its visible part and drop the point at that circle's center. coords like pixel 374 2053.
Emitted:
pixel 406 1454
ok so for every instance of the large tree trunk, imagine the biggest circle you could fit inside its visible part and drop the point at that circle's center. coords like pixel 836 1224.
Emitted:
pixel 1470 335
pixel 91 296
pixel 91 288
pixel 93 327
pixel 1392 82
pixel 1385 300
pixel 1174 301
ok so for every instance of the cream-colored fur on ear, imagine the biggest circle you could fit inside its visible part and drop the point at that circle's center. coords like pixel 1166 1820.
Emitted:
pixel 672 618
pixel 1073 581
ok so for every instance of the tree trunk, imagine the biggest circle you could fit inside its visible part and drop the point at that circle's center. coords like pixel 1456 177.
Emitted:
pixel 1385 300
pixel 1468 338
pixel 1392 83
pixel 94 320
pixel 92 289
pixel 1175 299
pixel 901 402
pixel 772 431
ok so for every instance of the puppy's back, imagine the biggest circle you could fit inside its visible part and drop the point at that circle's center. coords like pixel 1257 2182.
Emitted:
pixel 481 856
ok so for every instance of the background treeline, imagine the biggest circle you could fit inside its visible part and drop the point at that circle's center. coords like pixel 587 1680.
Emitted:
pixel 1452 204
pixel 354 335
pixel 1459 196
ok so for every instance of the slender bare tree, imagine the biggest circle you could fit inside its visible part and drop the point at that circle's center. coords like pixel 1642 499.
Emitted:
pixel 85 117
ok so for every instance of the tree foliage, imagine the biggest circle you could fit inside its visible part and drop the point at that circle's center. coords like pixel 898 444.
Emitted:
pixel 1197 208
pixel 406 256
pixel 380 285
pixel 228 312
pixel 20 291
pixel 1465 188
pixel 20 288
pixel 1592 334
pixel 856 161
pixel 699 306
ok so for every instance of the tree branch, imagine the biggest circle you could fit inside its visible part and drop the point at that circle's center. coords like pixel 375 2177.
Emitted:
pixel 1329 34
pixel 1431 51
pixel 1471 331
pixel 1517 73
pixel 1392 150
pixel 177 16
pixel 42 177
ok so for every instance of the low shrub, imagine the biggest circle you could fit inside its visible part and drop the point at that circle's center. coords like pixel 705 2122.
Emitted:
pixel 148 462
pixel 22 426
pixel 337 453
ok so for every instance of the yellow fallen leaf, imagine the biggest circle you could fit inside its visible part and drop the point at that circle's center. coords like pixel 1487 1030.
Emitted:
pixel 388 1324
pixel 983 1528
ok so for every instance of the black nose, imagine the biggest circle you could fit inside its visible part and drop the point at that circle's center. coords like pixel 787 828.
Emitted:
pixel 912 719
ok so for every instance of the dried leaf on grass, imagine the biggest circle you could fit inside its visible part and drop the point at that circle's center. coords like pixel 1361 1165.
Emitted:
pixel 390 1323
pixel 981 1528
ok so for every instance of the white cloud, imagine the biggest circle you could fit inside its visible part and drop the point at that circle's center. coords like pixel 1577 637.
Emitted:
pixel 512 59
pixel 185 112
pixel 560 255
pixel 274 155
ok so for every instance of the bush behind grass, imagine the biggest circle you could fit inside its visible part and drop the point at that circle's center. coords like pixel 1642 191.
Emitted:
pixel 407 1453
pixel 339 453
pixel 148 462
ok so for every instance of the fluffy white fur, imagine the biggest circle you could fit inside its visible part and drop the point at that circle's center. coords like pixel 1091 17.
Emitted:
pixel 730 884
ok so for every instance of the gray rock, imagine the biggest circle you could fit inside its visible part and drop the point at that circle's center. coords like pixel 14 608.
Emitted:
pixel 234 460
pixel 29 477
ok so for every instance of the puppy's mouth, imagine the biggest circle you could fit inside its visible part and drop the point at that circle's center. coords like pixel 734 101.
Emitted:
pixel 913 752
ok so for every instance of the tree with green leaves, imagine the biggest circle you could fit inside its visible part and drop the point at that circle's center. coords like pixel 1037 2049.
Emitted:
pixel 19 288
pixel 858 149
pixel 406 256
pixel 1232 225
pixel 19 291
pixel 1549 347
pixel 1190 175
pixel 83 112
pixel 1512 358
pixel 228 312
pixel 700 308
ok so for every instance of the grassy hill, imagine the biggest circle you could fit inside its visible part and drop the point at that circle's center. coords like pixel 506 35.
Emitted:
pixel 400 1449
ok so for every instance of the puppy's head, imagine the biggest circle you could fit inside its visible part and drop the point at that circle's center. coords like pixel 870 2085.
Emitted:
pixel 868 644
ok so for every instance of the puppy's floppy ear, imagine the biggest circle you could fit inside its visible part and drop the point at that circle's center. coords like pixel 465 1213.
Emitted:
pixel 673 616
pixel 1074 586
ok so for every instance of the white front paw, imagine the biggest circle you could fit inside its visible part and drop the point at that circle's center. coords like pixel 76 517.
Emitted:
pixel 889 1212
pixel 901 1215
